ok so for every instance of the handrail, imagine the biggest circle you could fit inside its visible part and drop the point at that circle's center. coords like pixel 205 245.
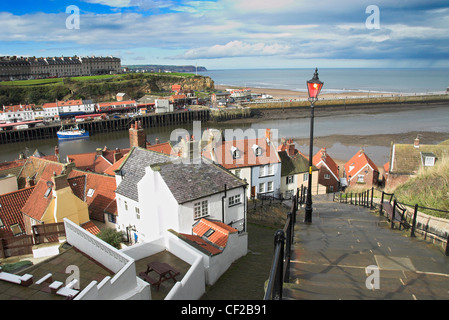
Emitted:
pixel 402 219
pixel 280 267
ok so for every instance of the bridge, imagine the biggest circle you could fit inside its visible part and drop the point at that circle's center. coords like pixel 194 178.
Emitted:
pixel 351 253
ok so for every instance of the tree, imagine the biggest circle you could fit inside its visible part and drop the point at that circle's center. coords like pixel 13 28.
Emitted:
pixel 111 236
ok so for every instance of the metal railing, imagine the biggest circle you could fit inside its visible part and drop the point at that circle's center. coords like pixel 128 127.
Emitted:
pixel 401 214
pixel 283 240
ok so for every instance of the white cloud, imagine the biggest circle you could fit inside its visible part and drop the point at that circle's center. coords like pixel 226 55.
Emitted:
pixel 235 49
pixel 112 3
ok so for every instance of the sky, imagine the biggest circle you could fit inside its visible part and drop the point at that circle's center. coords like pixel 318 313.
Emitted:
pixel 233 34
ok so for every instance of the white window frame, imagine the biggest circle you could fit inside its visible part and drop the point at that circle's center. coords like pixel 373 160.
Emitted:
pixel 235 200
pixel 261 187
pixel 200 209
pixel 137 209
pixel 290 179
pixel 327 176
pixel 270 186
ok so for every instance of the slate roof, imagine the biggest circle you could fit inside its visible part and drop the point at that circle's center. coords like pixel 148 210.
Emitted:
pixel 133 170
pixel 188 182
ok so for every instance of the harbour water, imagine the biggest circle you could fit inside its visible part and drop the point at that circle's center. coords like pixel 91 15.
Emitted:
pixel 425 119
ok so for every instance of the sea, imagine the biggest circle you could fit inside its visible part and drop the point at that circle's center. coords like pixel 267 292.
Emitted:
pixel 338 80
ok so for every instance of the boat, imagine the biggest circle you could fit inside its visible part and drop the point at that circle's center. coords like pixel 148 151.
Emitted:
pixel 72 133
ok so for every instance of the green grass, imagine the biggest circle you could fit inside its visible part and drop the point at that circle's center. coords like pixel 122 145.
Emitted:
pixel 32 82
pixel 430 188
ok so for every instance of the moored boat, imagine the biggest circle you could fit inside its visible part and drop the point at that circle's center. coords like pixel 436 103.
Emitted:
pixel 72 133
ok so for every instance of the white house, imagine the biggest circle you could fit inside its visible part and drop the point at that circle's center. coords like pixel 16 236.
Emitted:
pixel 18 113
pixel 75 107
pixel 51 110
pixel 163 105
pixel 254 160
pixel 154 195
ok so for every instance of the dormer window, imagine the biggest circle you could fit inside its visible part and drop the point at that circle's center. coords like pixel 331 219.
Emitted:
pixel 428 159
pixel 257 150
pixel 235 153
pixel 90 193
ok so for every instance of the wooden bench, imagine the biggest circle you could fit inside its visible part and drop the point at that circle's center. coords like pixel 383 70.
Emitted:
pixel 149 279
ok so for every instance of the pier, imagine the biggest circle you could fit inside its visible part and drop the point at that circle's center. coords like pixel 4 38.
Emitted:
pixel 110 125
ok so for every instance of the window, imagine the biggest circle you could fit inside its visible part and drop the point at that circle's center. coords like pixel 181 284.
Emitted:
pixel 261 187
pixel 238 173
pixel 261 171
pixel 327 176
pixel 137 213
pixel 270 186
pixel 270 170
pixel 90 193
pixel 430 162
pixel 209 233
pixel 201 209
pixel 112 218
pixel 126 205
pixel 16 229
pixel 360 179
pixel 290 179
pixel 305 177
pixel 235 200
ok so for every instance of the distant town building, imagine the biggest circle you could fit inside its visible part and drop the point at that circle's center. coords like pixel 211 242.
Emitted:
pixel 24 68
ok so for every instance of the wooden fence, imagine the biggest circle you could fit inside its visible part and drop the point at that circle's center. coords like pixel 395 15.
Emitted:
pixel 22 245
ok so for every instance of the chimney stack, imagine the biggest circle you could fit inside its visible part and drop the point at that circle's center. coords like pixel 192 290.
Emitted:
pixel 416 143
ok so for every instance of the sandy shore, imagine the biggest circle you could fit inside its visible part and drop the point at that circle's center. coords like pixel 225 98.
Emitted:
pixel 291 94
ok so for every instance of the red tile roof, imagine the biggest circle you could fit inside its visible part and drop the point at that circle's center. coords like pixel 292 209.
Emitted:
pixel 247 157
pixel 37 202
pixel 101 195
pixel 201 244
pixel 165 148
pixel 91 227
pixel 220 234
pixel 357 163
pixel 11 205
pixel 323 157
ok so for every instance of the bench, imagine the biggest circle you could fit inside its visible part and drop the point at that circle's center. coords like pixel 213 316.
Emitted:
pixel 149 279
pixel 388 207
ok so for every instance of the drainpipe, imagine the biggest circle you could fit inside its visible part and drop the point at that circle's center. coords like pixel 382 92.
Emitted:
pixel 223 205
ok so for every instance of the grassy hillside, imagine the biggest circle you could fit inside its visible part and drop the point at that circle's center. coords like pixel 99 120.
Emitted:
pixel 98 88
pixel 430 188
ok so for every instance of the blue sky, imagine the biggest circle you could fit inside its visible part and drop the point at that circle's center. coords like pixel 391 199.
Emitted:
pixel 223 34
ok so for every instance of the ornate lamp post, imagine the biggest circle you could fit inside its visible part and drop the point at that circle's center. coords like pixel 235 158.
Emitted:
pixel 314 87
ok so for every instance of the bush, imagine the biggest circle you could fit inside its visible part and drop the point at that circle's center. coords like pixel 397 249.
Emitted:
pixel 112 237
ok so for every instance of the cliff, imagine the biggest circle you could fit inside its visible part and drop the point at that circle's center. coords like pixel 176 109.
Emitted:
pixel 135 85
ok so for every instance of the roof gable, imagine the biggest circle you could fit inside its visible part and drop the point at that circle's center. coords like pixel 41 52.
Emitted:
pixel 133 169
pixel 357 163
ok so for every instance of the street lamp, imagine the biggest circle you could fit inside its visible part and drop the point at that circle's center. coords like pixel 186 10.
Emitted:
pixel 314 87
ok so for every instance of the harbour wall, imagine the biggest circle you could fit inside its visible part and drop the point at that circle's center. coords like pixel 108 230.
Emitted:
pixel 110 125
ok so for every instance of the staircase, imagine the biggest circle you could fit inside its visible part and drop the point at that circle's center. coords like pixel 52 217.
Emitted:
pixel 350 253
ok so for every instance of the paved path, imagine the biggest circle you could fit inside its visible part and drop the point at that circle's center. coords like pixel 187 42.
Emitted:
pixel 331 254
